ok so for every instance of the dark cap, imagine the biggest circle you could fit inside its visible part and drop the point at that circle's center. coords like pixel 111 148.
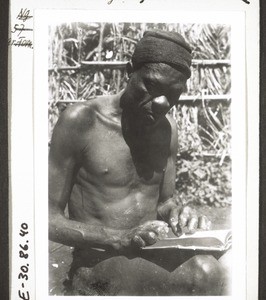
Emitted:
pixel 167 47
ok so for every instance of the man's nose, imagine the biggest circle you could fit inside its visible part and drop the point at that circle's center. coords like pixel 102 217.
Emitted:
pixel 160 104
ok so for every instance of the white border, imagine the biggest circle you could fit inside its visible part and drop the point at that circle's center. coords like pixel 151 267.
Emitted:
pixel 237 22
pixel 20 116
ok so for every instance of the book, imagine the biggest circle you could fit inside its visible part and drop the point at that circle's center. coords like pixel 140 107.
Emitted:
pixel 211 240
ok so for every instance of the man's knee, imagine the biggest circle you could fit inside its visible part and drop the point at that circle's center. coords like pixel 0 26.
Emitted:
pixel 203 275
pixel 206 266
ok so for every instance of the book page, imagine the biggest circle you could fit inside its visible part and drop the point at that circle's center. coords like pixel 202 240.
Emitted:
pixel 213 240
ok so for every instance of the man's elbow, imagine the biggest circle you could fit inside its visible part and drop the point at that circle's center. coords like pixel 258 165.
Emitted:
pixel 55 223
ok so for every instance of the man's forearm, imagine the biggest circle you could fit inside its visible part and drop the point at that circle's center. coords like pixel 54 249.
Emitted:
pixel 77 234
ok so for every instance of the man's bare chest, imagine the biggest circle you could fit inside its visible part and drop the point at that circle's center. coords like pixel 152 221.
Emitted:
pixel 110 159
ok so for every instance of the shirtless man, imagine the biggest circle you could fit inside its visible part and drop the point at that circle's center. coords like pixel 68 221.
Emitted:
pixel 112 161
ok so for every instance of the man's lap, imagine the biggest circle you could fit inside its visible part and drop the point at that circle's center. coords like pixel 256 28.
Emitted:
pixel 150 273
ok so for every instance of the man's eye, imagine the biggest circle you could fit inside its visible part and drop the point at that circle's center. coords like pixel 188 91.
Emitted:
pixel 155 92
pixel 151 88
pixel 142 89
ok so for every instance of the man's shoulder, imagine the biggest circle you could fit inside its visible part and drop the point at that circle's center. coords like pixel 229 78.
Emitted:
pixel 80 115
pixel 74 124
pixel 77 112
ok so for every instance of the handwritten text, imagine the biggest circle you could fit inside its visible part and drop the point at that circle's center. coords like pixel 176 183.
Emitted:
pixel 21 34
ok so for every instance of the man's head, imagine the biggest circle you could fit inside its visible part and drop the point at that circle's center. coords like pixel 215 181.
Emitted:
pixel 158 73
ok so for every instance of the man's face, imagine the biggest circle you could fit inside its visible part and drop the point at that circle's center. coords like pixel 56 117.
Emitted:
pixel 152 92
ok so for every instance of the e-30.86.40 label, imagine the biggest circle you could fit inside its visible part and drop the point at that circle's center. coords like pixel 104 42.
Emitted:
pixel 23 275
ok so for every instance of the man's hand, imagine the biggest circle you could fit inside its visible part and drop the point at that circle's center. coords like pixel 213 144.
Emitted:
pixel 145 234
pixel 182 218
pixel 186 219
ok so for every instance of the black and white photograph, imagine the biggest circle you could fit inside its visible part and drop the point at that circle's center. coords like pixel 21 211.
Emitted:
pixel 140 136
pixel 134 149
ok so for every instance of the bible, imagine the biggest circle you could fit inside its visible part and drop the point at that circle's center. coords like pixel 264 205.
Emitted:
pixel 211 240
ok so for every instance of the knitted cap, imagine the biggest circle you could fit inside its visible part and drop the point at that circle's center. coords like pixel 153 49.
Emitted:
pixel 163 47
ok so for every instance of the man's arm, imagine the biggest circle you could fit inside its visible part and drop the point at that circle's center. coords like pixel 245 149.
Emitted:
pixel 169 210
pixel 70 137
pixel 65 156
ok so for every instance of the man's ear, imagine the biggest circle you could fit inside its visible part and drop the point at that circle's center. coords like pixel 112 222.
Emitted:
pixel 129 68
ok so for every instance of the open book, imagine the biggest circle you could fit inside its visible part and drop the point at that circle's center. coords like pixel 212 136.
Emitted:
pixel 211 240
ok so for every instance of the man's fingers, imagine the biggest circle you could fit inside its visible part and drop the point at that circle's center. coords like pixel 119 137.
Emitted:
pixel 182 222
pixel 183 219
pixel 160 228
pixel 192 224
pixel 149 232
pixel 204 223
pixel 138 242
pixel 149 237
pixel 173 221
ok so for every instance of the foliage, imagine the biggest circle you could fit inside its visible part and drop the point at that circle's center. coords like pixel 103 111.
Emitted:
pixel 202 178
pixel 203 127
pixel 204 182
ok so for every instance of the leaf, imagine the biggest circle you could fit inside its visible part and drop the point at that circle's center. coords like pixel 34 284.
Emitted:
pixel 200 173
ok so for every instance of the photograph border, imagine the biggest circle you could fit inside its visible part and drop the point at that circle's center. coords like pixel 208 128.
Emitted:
pixel 4 153
pixel 237 62
pixel 251 30
pixel 262 184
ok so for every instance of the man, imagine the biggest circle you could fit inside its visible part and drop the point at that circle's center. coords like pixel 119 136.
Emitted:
pixel 112 161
